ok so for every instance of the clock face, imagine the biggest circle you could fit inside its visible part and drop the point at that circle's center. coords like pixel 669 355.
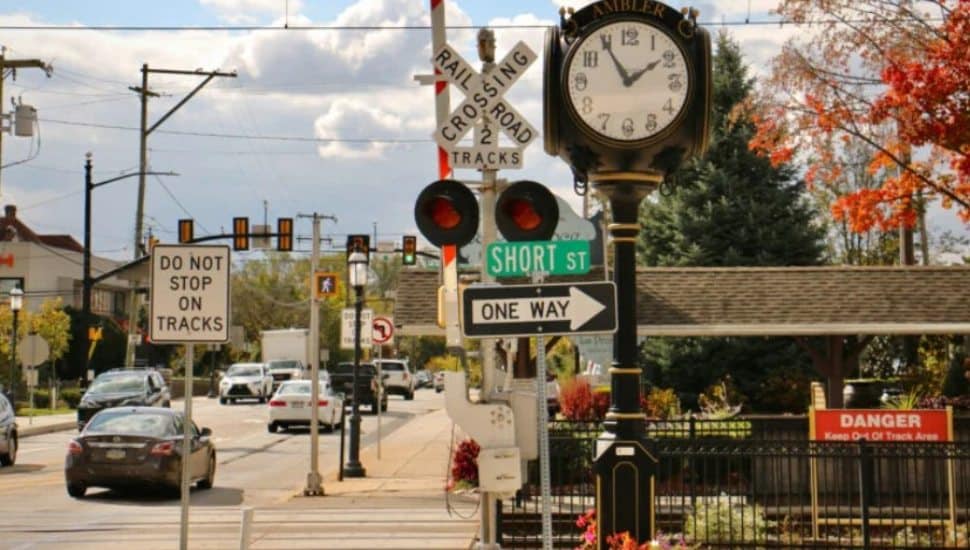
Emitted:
pixel 627 81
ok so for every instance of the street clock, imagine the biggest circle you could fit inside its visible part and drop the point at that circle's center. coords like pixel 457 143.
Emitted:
pixel 627 88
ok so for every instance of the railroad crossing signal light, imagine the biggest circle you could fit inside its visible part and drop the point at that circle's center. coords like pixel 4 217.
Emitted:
pixel 240 233
pixel 186 230
pixel 409 250
pixel 527 211
pixel 284 238
pixel 447 213
pixel 358 243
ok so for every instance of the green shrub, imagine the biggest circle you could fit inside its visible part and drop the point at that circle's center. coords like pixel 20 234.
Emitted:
pixel 909 538
pixel 721 520
pixel 42 399
pixel 71 396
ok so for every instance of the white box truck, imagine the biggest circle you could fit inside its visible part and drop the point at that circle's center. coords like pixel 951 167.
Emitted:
pixel 287 352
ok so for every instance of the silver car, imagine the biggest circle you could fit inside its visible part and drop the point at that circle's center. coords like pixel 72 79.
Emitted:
pixel 246 381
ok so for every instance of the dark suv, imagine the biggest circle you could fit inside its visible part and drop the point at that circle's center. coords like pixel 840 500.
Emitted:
pixel 342 380
pixel 123 387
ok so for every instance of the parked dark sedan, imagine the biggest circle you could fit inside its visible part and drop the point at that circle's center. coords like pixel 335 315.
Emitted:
pixel 121 388
pixel 137 447
pixel 8 433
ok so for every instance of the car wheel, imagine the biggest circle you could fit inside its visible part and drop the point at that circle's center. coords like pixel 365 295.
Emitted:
pixel 10 457
pixel 384 407
pixel 222 400
pixel 210 475
pixel 77 489
pixel 167 404
pixel 271 427
pixel 409 396
pixel 438 390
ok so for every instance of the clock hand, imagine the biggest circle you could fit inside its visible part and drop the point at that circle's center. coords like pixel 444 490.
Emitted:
pixel 630 79
pixel 608 46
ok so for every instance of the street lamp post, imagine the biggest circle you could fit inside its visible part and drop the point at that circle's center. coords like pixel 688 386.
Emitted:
pixel 16 302
pixel 87 281
pixel 357 267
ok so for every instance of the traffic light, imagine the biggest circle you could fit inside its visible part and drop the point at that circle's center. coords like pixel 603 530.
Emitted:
pixel 284 238
pixel 527 211
pixel 186 230
pixel 409 250
pixel 240 233
pixel 447 213
pixel 358 243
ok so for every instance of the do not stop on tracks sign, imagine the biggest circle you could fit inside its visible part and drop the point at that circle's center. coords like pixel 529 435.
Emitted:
pixel 189 294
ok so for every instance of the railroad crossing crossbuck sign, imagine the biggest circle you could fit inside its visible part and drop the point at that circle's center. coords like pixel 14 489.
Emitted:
pixel 529 310
pixel 484 98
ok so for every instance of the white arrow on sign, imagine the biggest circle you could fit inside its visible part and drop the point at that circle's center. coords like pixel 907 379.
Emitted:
pixel 578 309
pixel 484 95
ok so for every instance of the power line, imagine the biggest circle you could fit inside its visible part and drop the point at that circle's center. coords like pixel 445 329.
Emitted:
pixel 351 28
pixel 241 136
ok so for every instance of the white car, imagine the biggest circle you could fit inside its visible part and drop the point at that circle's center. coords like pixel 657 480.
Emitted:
pixel 246 381
pixel 397 377
pixel 290 406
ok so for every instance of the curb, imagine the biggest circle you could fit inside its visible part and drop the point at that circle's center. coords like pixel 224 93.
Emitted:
pixel 27 431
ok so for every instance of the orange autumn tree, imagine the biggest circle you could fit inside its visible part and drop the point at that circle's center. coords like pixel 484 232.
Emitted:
pixel 891 77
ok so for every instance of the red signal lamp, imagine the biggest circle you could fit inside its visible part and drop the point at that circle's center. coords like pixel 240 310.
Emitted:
pixel 447 213
pixel 527 211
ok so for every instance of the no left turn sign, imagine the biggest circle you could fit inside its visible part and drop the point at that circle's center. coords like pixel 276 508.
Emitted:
pixel 383 332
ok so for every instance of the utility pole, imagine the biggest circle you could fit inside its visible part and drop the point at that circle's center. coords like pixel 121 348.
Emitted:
pixel 145 131
pixel 13 65
pixel 314 481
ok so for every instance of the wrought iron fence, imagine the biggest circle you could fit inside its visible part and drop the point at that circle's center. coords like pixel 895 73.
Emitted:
pixel 757 483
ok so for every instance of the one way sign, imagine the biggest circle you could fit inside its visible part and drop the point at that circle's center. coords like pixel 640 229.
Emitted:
pixel 529 310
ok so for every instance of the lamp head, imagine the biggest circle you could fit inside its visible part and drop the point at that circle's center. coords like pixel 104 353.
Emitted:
pixel 16 299
pixel 357 266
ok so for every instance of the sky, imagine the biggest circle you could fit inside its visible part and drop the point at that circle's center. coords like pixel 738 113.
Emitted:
pixel 326 120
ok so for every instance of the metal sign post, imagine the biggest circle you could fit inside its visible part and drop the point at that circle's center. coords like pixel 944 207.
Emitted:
pixel 382 333
pixel 189 305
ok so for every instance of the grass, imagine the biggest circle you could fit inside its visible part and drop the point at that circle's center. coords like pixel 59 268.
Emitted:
pixel 27 411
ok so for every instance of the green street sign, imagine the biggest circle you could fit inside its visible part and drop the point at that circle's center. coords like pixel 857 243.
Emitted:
pixel 515 259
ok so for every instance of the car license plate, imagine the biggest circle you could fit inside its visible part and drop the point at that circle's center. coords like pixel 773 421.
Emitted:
pixel 298 404
pixel 115 454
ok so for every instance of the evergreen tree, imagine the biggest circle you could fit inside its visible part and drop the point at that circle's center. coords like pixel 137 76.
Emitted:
pixel 731 208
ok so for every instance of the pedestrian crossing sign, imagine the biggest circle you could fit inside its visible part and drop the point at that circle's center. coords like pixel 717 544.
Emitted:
pixel 325 284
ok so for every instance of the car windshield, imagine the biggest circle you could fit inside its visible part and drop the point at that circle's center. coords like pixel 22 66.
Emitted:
pixel 244 370
pixel 366 369
pixel 294 389
pixel 279 365
pixel 127 422
pixel 124 383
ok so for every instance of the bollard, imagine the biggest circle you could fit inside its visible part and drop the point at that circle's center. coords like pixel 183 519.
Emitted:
pixel 245 527
pixel 343 437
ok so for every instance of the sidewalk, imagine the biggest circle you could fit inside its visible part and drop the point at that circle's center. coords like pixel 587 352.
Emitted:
pixel 38 425
pixel 401 503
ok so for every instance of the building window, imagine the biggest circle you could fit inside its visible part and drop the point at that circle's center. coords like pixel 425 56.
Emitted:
pixel 9 283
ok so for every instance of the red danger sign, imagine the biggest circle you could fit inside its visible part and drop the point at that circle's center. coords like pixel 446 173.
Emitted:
pixel 880 425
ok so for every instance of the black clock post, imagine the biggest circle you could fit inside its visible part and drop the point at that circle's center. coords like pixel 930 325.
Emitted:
pixel 627 99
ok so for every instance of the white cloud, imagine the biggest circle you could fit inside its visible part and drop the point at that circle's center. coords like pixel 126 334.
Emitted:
pixel 251 11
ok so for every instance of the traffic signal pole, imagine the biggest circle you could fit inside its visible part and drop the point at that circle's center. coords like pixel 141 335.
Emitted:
pixel 314 482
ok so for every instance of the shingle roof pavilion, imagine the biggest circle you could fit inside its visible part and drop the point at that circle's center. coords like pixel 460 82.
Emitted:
pixel 756 301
